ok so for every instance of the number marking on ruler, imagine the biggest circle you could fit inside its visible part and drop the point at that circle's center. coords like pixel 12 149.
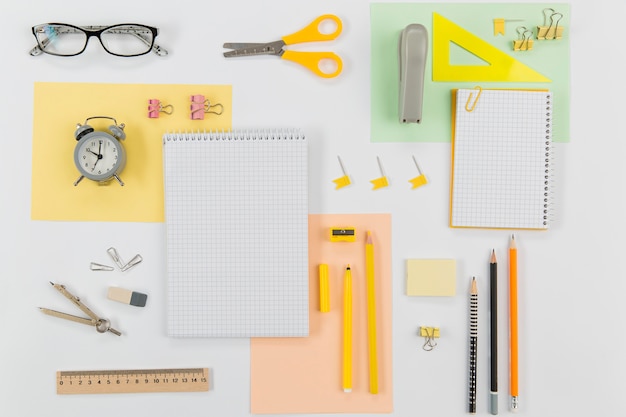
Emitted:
pixel 133 380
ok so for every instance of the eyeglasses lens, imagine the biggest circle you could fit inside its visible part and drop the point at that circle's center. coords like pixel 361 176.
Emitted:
pixel 60 39
pixel 127 40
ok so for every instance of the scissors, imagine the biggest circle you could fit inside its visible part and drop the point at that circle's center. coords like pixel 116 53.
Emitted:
pixel 310 60
pixel 101 325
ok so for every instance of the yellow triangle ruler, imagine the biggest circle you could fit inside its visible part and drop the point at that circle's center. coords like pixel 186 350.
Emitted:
pixel 501 68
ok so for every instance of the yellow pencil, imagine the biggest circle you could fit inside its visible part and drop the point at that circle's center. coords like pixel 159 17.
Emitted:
pixel 371 313
pixel 347 331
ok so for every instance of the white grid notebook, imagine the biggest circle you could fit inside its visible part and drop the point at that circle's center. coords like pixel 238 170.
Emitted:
pixel 501 159
pixel 236 214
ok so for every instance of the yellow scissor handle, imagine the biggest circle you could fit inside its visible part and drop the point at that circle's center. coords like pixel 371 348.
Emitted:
pixel 312 33
pixel 313 61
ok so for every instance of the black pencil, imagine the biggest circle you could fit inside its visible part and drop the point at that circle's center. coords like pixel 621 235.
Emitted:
pixel 473 345
pixel 493 308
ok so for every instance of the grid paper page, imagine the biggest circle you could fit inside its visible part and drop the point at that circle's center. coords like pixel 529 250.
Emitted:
pixel 236 210
pixel 501 153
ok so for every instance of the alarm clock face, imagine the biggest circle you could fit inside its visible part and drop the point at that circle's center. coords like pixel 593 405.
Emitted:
pixel 98 156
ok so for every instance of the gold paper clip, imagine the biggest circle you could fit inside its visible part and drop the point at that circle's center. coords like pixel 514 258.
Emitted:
pixel 525 41
pixel 468 107
pixel 429 334
pixel 550 29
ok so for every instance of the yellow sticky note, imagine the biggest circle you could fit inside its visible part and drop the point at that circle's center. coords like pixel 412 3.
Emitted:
pixel 59 107
pixel 431 277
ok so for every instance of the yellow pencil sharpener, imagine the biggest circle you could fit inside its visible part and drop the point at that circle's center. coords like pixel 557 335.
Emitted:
pixel 343 234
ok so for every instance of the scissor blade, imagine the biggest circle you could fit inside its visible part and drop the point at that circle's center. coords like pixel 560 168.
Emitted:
pixel 242 45
pixel 250 49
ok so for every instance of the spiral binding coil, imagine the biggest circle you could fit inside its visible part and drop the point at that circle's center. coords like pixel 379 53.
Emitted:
pixel 548 194
pixel 235 135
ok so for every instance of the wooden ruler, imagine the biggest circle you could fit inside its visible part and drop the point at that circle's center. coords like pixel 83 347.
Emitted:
pixel 133 380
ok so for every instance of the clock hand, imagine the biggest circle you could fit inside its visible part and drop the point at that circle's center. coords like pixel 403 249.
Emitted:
pixel 99 154
pixel 96 163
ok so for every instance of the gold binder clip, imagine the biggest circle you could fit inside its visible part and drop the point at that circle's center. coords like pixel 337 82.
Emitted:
pixel 429 334
pixel 468 107
pixel 525 41
pixel 550 29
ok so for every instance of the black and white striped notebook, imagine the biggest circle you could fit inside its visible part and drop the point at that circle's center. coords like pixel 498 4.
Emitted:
pixel 236 214
pixel 501 159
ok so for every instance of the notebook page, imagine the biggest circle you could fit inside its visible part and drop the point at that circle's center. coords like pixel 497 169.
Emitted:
pixel 237 235
pixel 500 159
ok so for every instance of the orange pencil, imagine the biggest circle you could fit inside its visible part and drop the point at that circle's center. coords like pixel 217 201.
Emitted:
pixel 513 323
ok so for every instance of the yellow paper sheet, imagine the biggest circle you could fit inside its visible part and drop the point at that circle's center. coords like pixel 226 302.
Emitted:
pixel 431 277
pixel 59 107
pixel 304 375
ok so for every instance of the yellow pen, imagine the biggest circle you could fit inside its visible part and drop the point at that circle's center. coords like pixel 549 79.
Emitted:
pixel 347 331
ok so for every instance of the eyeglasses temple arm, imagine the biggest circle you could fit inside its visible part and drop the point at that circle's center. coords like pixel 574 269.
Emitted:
pixel 155 48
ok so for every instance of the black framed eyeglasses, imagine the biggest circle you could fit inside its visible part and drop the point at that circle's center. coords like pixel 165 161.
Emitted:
pixel 126 39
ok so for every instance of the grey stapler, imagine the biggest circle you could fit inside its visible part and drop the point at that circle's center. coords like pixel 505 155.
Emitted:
pixel 413 50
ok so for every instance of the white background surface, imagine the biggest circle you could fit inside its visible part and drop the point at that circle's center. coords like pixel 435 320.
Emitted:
pixel 571 277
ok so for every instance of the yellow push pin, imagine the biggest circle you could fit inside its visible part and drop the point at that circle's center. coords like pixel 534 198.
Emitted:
pixel 342 181
pixel 420 179
pixel 382 181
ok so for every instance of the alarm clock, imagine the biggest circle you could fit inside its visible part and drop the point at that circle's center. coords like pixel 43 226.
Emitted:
pixel 99 155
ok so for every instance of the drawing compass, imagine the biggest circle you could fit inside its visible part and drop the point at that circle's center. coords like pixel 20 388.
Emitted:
pixel 102 325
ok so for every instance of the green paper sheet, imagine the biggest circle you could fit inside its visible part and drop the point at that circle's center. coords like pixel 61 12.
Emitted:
pixel 548 57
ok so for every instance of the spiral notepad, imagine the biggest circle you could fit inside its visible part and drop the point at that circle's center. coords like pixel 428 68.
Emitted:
pixel 236 213
pixel 501 159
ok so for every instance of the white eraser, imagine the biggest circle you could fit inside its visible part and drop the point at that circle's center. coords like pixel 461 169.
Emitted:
pixel 125 296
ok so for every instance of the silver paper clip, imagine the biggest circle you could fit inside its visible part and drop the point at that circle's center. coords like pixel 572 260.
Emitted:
pixel 136 259
pixel 99 267
pixel 116 257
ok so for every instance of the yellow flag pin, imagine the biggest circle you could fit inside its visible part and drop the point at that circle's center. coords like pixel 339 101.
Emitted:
pixel 420 179
pixel 382 181
pixel 342 181
pixel 498 25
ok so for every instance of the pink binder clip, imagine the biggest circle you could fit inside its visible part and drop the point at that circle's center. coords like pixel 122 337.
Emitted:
pixel 155 107
pixel 200 106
